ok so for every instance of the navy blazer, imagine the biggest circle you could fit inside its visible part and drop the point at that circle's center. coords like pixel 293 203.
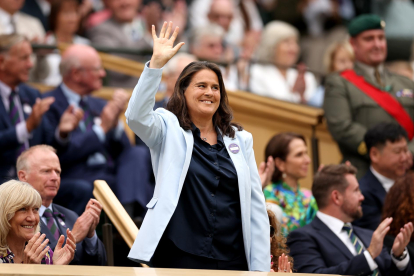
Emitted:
pixel 374 194
pixel 316 249
pixel 81 256
pixel 31 7
pixel 44 134
pixel 83 144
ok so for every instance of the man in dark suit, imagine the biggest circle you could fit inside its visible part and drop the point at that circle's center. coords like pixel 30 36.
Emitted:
pixel 33 8
pixel 390 159
pixel 21 108
pixel 331 245
pixel 39 166
pixel 99 148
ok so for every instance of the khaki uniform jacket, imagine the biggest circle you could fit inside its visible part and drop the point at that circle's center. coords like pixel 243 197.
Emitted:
pixel 350 112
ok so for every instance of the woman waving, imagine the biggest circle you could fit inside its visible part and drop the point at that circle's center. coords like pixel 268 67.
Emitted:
pixel 208 210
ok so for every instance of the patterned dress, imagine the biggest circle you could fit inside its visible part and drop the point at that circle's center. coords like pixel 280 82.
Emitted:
pixel 8 258
pixel 299 207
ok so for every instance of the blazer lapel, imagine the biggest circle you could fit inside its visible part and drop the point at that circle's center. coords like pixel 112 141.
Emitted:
pixel 377 189
pixel 4 115
pixel 331 237
pixel 189 140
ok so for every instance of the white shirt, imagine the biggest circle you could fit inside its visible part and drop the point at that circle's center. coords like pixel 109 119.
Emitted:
pixel 23 135
pixel 5 21
pixel 336 225
pixel 91 243
pixel 386 182
pixel 266 80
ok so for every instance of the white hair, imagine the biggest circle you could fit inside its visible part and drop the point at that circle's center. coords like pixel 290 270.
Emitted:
pixel 210 29
pixel 171 65
pixel 273 33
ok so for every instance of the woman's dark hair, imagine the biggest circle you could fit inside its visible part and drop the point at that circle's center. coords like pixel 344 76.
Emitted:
pixel 278 245
pixel 55 9
pixel 177 104
pixel 399 204
pixel 278 147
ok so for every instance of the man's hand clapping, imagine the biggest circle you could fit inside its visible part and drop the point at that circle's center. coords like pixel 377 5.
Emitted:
pixel 86 224
pixel 38 109
pixel 70 120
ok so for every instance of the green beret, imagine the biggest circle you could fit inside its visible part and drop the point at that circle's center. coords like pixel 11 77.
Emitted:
pixel 365 22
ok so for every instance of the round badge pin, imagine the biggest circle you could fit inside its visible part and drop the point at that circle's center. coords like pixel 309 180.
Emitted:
pixel 234 148
pixel 27 109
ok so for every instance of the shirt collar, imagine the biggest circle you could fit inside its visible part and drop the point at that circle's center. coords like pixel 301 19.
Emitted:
pixel 385 181
pixel 333 223
pixel 6 17
pixel 42 209
pixel 72 97
pixel 196 131
pixel 370 69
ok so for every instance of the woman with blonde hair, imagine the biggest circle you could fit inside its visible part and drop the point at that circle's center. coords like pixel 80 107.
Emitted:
pixel 19 224
pixel 338 57
pixel 274 76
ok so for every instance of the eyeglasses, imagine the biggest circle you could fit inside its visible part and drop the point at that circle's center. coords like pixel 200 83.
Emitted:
pixel 272 231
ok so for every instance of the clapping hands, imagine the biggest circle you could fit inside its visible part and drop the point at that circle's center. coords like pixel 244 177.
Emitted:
pixel 283 265
pixel 86 224
pixel 64 255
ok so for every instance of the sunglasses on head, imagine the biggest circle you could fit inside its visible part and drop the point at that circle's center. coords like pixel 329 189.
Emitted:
pixel 272 231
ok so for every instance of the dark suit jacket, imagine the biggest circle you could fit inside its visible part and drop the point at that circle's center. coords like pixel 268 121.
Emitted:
pixel 81 256
pixel 83 144
pixel 316 249
pixel 374 194
pixel 9 145
pixel 31 7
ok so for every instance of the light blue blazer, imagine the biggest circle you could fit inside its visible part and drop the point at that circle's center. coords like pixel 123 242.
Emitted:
pixel 171 149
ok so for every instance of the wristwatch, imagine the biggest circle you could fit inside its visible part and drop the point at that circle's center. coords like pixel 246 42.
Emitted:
pixel 400 258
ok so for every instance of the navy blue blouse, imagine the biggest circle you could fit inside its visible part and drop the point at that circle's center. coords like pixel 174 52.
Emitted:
pixel 207 220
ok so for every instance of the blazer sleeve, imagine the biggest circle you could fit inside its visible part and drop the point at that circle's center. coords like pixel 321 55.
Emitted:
pixel 99 259
pixel 140 117
pixel 308 258
pixel 338 115
pixel 259 220
pixel 8 139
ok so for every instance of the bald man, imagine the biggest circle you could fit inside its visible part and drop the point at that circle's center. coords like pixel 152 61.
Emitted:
pixel 99 147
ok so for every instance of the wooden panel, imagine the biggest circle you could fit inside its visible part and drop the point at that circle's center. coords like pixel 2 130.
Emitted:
pixel 116 212
pixel 40 270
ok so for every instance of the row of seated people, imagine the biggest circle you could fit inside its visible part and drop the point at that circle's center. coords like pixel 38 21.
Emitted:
pixel 86 131
pixel 315 248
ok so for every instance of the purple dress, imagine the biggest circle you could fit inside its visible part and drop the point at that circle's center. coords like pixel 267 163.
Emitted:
pixel 8 258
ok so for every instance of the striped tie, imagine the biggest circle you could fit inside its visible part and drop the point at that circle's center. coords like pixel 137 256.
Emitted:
pixel 357 244
pixel 51 225
pixel 87 116
pixel 14 116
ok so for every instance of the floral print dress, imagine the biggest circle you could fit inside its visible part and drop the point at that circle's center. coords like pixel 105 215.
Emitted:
pixel 8 258
pixel 299 207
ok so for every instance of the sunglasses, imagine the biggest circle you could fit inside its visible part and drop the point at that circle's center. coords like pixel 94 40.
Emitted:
pixel 272 231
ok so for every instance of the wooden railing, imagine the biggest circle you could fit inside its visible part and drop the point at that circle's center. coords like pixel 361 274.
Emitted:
pixel 116 212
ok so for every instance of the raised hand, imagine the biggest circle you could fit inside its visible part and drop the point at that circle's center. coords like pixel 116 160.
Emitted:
pixel 70 120
pixel 64 255
pixel 95 208
pixel 377 240
pixel 163 49
pixel 82 226
pixel 402 239
pixel 283 264
pixel 35 249
pixel 266 171
pixel 39 108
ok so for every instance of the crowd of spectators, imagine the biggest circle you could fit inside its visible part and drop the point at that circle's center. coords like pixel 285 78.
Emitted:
pixel 290 50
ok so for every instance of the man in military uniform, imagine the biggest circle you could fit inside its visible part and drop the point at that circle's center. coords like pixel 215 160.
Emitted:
pixel 356 100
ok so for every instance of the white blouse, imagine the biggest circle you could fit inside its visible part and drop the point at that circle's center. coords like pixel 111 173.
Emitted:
pixel 267 81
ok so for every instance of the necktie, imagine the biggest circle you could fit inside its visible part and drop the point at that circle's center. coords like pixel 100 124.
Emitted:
pixel 51 225
pixel 377 76
pixel 87 115
pixel 14 116
pixel 357 244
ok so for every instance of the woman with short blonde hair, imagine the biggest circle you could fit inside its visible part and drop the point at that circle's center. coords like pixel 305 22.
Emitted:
pixel 19 224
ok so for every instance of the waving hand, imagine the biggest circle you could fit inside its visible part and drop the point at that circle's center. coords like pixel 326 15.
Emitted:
pixel 163 49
